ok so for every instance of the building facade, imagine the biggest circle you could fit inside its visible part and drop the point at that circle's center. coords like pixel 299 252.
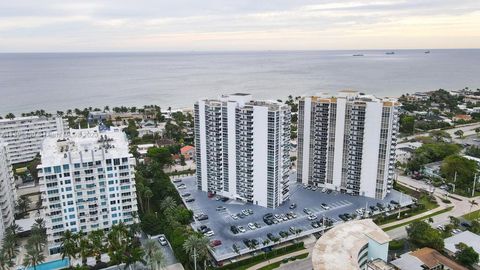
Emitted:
pixel 242 148
pixel 24 135
pixel 87 182
pixel 347 143
pixel 7 191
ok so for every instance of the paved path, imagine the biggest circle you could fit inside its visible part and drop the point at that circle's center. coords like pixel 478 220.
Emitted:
pixel 278 259
pixel 460 208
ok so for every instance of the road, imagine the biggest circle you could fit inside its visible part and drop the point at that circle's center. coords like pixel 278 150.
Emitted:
pixel 460 208
pixel 468 129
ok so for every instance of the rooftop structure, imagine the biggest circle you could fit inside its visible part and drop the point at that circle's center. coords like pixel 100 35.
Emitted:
pixel 426 259
pixel 350 245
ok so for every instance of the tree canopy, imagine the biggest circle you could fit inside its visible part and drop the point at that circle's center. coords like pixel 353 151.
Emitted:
pixel 463 167
pixel 422 234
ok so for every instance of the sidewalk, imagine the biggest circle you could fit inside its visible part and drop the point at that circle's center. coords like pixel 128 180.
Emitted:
pixel 401 221
pixel 278 259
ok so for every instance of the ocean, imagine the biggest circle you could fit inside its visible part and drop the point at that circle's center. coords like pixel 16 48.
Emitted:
pixel 60 81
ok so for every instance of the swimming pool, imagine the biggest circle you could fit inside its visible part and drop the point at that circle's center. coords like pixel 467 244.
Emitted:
pixel 52 265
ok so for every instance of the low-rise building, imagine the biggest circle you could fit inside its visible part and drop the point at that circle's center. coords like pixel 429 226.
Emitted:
pixel 426 259
pixel 468 238
pixel 462 117
pixel 188 152
pixel 350 245
pixel 471 99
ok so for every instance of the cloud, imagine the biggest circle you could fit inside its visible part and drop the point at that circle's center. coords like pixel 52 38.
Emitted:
pixel 88 25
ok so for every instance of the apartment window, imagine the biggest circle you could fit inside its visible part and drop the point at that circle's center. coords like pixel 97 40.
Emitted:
pixel 66 167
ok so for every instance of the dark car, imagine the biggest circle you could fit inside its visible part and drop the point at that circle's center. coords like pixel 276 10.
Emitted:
pixel 466 224
pixel 224 199
pixel 271 236
pixel 234 229
pixel 186 194
pixel 189 200
pixel 394 202
pixel 293 206
pixel 202 217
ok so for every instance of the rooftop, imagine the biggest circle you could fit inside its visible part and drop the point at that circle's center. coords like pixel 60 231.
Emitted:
pixel 339 247
pixel 425 257
pixel 55 149
pixel 466 237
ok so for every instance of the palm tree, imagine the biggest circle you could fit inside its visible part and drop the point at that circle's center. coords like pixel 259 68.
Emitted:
pixel 5 262
pixel 69 246
pixel 168 203
pixel 97 246
pixel 472 203
pixel 133 255
pixel 148 194
pixel 158 260
pixel 84 249
pixel 118 241
pixel 197 247
pixel 10 116
pixel 33 257
pixel 150 247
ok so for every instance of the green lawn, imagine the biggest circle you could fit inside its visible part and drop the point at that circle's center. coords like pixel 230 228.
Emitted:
pixel 420 218
pixel 277 264
pixel 247 263
pixel 472 215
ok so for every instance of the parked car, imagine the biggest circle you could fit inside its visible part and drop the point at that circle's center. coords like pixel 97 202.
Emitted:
pixel 251 226
pixel 209 233
pixel 234 229
pixel 177 180
pixel 221 208
pixel 186 194
pixel 241 229
pixel 293 206
pixel 312 217
pixel 234 216
pixel 162 241
pixel 325 206
pixel 189 200
pixel 271 236
pixel 202 217
pixel 215 243
pixel 315 224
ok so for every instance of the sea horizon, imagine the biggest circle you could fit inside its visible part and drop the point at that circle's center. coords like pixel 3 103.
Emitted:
pixel 66 80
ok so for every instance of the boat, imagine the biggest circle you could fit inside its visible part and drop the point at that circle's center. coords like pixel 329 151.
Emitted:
pixel 427 51
pixel 358 55
pixel 390 53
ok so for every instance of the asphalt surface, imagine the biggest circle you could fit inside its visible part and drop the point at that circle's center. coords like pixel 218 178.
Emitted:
pixel 220 221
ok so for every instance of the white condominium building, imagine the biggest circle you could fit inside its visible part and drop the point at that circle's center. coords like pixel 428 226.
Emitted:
pixel 7 191
pixel 242 148
pixel 347 143
pixel 87 182
pixel 24 135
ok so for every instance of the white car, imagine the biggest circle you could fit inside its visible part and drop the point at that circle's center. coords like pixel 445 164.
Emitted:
pixel 251 226
pixel 182 187
pixel 241 229
pixel 162 241
pixel 324 190
pixel 312 217
pixel 325 206
pixel 209 234
pixel 235 217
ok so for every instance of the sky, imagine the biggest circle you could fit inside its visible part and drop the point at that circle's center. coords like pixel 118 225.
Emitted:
pixel 204 25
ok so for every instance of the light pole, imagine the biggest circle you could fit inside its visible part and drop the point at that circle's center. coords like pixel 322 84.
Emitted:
pixel 454 181
pixel 473 189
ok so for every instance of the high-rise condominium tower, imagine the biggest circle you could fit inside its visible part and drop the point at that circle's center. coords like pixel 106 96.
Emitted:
pixel 242 148
pixel 347 143
pixel 24 135
pixel 87 182
pixel 7 191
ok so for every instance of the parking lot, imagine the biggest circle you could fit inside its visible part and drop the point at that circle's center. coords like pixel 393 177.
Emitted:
pixel 221 221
